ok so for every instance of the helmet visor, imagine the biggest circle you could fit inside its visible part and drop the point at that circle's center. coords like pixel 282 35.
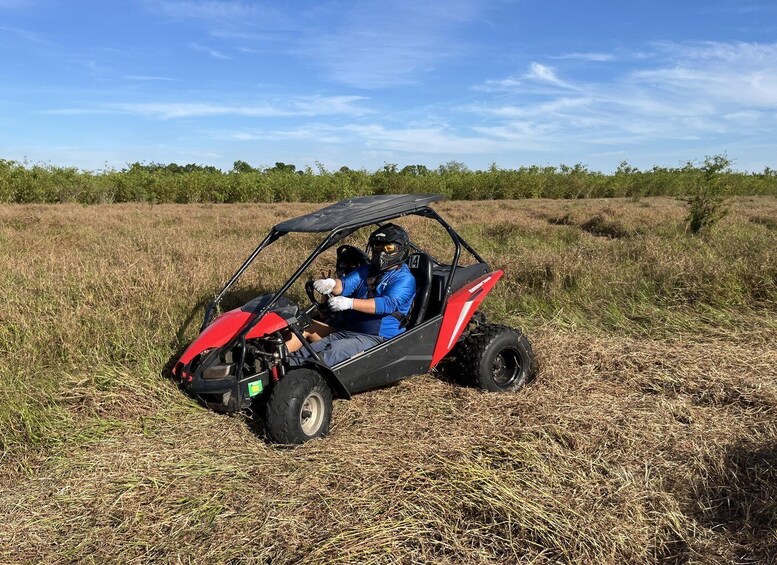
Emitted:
pixel 385 248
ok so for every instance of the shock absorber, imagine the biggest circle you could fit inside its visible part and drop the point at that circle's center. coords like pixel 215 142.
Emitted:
pixel 278 369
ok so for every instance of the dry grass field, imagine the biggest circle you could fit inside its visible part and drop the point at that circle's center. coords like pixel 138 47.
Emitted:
pixel 649 435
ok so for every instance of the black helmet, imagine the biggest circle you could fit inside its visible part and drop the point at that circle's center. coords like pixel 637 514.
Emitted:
pixel 388 246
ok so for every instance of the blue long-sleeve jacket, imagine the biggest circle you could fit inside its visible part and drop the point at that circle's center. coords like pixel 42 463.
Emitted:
pixel 393 294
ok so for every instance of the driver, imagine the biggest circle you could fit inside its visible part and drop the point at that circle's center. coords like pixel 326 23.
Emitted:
pixel 374 300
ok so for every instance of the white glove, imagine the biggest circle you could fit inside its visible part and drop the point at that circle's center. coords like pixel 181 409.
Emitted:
pixel 340 303
pixel 324 286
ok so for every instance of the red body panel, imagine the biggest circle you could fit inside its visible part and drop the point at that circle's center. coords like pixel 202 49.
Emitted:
pixel 224 328
pixel 461 305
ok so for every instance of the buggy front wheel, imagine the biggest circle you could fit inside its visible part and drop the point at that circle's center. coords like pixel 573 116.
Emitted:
pixel 299 408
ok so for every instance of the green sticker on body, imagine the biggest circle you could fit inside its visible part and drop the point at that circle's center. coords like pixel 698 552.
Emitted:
pixel 254 388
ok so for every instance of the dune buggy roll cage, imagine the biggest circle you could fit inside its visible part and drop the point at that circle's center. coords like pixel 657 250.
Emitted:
pixel 340 220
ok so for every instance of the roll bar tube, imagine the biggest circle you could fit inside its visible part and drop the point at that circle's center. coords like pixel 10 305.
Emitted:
pixel 271 237
pixel 256 315
pixel 458 242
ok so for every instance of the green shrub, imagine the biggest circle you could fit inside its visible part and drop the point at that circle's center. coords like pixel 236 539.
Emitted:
pixel 707 200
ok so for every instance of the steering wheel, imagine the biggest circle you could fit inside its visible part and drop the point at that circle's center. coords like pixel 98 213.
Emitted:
pixel 323 306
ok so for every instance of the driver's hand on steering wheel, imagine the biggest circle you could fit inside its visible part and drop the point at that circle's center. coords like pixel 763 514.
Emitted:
pixel 324 286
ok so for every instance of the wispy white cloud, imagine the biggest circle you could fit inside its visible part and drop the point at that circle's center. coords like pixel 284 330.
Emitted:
pixel 318 133
pixel 77 111
pixel 249 36
pixel 421 140
pixel 367 44
pixel 508 84
pixel 378 137
pixel 206 10
pixel 541 110
pixel 742 8
pixel 553 107
pixel 303 107
pixel 147 78
pixel 381 43
pixel 20 33
pixel 537 78
pixel 235 19
pixel 209 50
pixel 737 73
pixel 543 73
pixel 593 57
pixel 692 91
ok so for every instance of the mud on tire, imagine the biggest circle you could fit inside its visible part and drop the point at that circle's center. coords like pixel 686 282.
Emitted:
pixel 496 358
pixel 299 408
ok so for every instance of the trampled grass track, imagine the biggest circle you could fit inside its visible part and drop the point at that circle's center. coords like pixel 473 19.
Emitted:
pixel 649 436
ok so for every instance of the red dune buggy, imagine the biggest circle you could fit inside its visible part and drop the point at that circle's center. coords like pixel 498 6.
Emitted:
pixel 240 358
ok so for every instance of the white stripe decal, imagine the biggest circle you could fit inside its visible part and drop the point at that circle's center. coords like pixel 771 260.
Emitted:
pixel 479 285
pixel 463 317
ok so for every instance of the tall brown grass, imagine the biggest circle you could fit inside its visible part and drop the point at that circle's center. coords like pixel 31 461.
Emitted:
pixel 649 435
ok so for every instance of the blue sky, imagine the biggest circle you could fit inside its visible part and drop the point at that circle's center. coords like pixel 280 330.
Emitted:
pixel 361 84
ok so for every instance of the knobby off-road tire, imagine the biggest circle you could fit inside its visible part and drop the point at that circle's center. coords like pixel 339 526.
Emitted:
pixel 299 408
pixel 496 358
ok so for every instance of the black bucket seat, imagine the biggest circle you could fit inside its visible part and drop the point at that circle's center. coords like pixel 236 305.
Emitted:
pixel 420 265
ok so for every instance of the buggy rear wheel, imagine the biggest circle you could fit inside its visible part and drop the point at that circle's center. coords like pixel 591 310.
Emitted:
pixel 496 358
pixel 299 408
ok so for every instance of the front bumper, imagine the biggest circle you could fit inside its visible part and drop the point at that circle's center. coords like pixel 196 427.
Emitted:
pixel 222 391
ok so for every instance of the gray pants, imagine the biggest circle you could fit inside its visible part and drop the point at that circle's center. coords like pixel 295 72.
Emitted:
pixel 337 347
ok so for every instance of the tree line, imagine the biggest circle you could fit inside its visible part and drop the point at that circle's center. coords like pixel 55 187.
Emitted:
pixel 23 182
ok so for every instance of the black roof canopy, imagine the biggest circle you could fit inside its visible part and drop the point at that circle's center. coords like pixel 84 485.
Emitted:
pixel 360 211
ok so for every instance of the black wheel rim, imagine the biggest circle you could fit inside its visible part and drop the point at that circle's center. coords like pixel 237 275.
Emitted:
pixel 506 368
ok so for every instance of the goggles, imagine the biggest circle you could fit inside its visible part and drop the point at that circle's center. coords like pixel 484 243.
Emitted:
pixel 385 248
